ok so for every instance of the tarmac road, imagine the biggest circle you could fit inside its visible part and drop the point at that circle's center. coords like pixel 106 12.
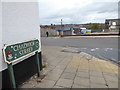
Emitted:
pixel 102 47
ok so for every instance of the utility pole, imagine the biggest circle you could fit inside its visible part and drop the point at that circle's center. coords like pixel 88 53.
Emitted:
pixel 61 22
pixel 61 28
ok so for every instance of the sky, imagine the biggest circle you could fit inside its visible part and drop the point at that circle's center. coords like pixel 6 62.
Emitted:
pixel 77 11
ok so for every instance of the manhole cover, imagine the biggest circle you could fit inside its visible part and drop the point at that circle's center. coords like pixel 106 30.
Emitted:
pixel 71 50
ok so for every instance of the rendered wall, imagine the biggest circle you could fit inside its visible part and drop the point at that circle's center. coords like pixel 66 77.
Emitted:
pixel 0 36
pixel 0 44
pixel 20 22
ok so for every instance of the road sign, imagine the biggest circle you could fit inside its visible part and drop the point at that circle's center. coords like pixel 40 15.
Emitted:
pixel 16 51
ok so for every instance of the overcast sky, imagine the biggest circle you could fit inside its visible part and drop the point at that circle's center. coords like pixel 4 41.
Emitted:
pixel 77 11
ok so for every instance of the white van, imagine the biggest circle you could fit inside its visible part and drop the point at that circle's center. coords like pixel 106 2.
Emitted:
pixel 19 21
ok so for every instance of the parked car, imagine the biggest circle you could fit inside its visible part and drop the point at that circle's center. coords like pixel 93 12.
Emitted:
pixel 84 31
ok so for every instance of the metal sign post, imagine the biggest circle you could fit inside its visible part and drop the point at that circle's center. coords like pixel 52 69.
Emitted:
pixel 11 75
pixel 38 63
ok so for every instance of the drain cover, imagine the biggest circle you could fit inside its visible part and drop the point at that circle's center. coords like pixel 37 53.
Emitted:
pixel 71 50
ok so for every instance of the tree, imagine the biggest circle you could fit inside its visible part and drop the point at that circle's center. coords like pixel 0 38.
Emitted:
pixel 96 26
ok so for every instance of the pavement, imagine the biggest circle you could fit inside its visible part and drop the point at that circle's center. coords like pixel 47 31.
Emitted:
pixel 74 70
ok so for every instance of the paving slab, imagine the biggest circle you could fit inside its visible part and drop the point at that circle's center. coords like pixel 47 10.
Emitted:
pixel 28 85
pixel 57 87
pixel 65 83
pixel 74 63
pixel 95 85
pixel 66 75
pixel 60 88
pixel 52 76
pixel 110 78
pixel 112 84
pixel 97 80
pixel 82 81
pixel 49 68
pixel 79 70
pixel 57 71
pixel 83 74
pixel 70 70
pixel 111 75
pixel 78 86
pixel 96 74
pixel 46 84
pixel 83 66
pixel 62 67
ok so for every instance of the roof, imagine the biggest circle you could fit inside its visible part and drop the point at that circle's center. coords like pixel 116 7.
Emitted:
pixel 112 19
pixel 63 28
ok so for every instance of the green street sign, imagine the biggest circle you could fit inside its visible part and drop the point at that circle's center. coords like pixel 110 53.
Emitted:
pixel 17 51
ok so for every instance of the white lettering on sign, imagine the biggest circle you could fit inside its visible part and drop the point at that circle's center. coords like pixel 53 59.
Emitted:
pixel 22 46
pixel 25 51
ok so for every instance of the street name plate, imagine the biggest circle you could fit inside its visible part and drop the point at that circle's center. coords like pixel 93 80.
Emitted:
pixel 16 51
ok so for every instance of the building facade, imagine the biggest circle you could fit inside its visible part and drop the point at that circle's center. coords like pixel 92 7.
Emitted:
pixel 112 25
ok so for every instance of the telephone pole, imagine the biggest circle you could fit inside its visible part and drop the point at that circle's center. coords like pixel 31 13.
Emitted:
pixel 61 28
pixel 61 22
